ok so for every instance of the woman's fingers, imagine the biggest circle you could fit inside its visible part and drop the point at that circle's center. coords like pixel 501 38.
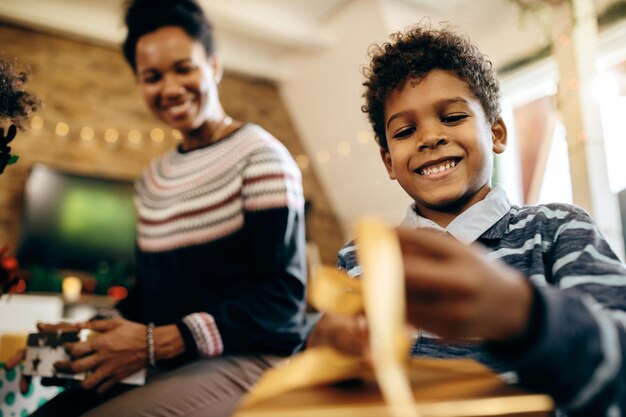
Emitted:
pixel 79 349
pixel 53 327
pixel 24 383
pixel 102 325
pixel 106 385
pixel 101 374
pixel 14 360
pixel 79 365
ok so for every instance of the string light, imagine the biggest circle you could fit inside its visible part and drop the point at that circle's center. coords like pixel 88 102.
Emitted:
pixel 303 161
pixel 62 129
pixel 343 148
pixel 111 136
pixel 87 133
pixel 157 134
pixel 323 156
pixel 134 137
pixel 363 137
pixel 36 123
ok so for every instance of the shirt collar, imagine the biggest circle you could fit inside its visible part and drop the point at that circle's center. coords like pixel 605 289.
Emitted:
pixel 468 226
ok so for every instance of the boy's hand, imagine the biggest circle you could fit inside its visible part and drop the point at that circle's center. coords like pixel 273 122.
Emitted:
pixel 454 291
pixel 346 334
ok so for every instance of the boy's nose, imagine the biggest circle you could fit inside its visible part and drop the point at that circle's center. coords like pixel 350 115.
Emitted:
pixel 432 142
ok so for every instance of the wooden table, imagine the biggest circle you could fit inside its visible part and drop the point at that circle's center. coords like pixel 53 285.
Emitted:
pixel 442 388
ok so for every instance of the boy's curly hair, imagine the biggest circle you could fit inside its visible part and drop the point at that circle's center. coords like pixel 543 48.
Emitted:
pixel 145 16
pixel 16 104
pixel 416 52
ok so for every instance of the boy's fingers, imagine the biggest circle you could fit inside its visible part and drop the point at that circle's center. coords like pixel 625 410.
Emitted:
pixel 429 275
pixel 427 242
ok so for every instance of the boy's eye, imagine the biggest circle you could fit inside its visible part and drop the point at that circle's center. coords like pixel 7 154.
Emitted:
pixel 453 118
pixel 404 133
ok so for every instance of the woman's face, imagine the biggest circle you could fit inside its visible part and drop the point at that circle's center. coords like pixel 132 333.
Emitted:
pixel 177 78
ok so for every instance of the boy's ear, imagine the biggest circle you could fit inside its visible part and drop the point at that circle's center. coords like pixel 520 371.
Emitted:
pixel 386 157
pixel 498 136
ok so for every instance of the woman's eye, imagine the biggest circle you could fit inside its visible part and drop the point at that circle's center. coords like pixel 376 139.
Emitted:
pixel 185 70
pixel 453 118
pixel 150 79
pixel 404 133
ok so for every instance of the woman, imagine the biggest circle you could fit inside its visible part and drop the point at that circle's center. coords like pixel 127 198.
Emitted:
pixel 220 291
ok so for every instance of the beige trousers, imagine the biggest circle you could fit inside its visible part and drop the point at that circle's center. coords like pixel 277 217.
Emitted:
pixel 211 387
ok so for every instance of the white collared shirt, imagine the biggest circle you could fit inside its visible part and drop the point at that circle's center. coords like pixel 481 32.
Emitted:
pixel 468 226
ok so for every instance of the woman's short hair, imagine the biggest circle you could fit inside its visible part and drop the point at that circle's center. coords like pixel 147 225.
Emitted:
pixel 145 16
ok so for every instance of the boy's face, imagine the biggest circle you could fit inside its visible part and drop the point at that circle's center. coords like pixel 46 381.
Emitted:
pixel 440 144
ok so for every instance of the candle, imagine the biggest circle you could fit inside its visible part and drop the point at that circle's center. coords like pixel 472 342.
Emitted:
pixel 71 289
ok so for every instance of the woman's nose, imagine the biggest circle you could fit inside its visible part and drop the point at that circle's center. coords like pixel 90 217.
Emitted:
pixel 172 86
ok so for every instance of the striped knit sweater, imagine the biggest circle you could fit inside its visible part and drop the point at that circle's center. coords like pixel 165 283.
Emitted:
pixel 577 353
pixel 220 246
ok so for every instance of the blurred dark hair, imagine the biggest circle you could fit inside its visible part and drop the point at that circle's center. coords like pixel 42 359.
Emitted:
pixel 416 52
pixel 16 104
pixel 145 16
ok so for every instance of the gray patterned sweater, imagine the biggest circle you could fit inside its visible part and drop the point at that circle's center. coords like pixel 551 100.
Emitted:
pixel 578 350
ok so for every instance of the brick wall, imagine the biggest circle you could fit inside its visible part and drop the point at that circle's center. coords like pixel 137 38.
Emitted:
pixel 85 85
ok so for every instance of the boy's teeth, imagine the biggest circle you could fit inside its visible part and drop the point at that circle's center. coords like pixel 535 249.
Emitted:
pixel 438 168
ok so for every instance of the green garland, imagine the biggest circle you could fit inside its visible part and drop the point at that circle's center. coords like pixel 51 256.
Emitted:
pixel 613 13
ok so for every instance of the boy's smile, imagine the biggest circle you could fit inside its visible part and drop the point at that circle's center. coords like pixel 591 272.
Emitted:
pixel 440 144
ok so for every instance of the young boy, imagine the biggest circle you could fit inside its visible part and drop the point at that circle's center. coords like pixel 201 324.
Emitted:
pixel 547 297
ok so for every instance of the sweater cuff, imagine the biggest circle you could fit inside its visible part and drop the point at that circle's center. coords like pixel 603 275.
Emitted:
pixel 191 349
pixel 204 333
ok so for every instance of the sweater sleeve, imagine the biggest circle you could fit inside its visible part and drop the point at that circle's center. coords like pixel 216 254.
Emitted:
pixel 273 309
pixel 579 354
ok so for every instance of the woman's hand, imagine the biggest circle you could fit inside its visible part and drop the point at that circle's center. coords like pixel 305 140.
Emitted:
pixel 454 291
pixel 115 352
pixel 19 356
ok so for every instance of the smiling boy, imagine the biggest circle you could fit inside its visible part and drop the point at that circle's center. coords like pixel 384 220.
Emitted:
pixel 546 299
pixel 440 143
